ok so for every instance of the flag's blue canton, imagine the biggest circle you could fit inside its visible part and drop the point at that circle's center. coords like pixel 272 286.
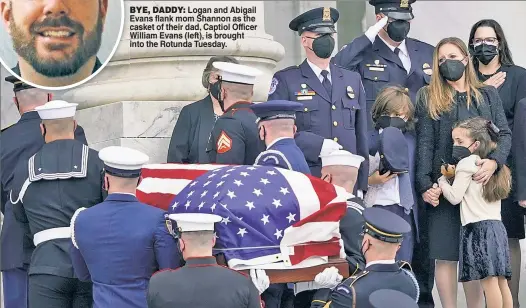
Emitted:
pixel 256 202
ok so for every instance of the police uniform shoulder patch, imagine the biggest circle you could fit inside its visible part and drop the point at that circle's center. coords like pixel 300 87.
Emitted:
pixel 224 143
pixel 273 85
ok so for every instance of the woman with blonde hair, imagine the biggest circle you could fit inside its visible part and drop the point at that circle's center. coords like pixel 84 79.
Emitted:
pixel 454 94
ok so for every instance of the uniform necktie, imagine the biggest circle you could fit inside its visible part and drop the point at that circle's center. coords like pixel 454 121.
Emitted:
pixel 397 51
pixel 326 83
pixel 406 192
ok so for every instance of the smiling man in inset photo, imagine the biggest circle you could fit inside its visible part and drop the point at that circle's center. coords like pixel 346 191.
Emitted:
pixel 56 41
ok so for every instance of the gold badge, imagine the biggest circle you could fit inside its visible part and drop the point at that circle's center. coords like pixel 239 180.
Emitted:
pixel 426 65
pixel 326 14
pixel 376 62
pixel 350 92
pixel 303 86
pixel 404 3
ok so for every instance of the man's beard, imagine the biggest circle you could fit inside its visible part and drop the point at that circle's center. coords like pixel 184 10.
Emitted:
pixel 68 65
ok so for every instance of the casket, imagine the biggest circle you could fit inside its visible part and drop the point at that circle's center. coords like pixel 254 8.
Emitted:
pixel 279 220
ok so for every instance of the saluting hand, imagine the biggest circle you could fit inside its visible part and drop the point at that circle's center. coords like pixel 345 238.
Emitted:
pixel 496 80
pixel 373 31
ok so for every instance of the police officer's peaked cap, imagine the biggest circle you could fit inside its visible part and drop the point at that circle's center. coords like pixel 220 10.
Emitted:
pixel 394 151
pixel 123 162
pixel 319 20
pixel 387 298
pixel 276 109
pixel 384 225
pixel 18 85
pixel 396 9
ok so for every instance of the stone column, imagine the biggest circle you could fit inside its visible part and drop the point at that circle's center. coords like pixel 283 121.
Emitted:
pixel 135 101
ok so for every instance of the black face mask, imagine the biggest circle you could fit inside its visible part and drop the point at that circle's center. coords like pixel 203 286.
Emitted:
pixel 485 53
pixel 452 70
pixel 459 153
pixel 398 30
pixel 387 121
pixel 215 89
pixel 262 141
pixel 323 46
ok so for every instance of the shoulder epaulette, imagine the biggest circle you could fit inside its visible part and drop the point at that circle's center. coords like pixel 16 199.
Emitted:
pixel 403 264
pixel 355 278
pixel 289 68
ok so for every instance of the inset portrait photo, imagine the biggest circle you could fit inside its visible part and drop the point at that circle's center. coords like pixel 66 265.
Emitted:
pixel 59 44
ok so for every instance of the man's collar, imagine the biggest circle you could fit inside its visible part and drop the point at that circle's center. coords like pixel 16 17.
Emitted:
pixel 317 70
pixel 276 141
pixel 380 262
pixel 201 261
pixel 402 47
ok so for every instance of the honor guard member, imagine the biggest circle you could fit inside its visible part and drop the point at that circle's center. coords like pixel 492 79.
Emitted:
pixel 119 243
pixel 276 128
pixel 61 177
pixel 383 233
pixel 340 168
pixel 333 98
pixel 384 55
pixel 234 139
pixel 201 282
pixel 386 298
pixel 18 143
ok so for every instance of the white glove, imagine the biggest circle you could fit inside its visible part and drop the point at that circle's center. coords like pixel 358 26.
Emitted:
pixel 373 31
pixel 260 279
pixel 329 278
pixel 329 146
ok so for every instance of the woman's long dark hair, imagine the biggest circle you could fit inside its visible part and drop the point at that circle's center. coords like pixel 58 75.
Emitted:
pixel 504 51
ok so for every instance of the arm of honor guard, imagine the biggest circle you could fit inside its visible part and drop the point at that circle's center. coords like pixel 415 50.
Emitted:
pixel 230 144
pixel 166 248
pixel 77 260
pixel 278 88
pixel 362 140
pixel 351 55
pixel 340 297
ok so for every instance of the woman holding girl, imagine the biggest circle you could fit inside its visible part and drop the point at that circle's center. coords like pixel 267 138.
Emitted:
pixel 494 66
pixel 454 94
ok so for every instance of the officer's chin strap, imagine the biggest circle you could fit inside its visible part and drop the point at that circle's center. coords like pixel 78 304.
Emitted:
pixel 219 97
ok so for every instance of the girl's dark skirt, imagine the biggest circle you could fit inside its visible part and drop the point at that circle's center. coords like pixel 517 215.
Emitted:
pixel 484 251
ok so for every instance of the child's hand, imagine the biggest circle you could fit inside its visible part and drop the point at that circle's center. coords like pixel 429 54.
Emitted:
pixel 377 179
pixel 448 171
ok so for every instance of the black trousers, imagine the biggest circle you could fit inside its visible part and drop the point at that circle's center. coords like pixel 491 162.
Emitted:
pixel 48 291
pixel 277 296
pixel 423 267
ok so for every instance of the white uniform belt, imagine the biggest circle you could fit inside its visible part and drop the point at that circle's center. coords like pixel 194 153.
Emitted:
pixel 51 234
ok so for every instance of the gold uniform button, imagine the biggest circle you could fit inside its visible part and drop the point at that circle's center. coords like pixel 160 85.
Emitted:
pixel 375 78
pixel 333 107
pixel 336 139
pixel 306 109
pixel 335 123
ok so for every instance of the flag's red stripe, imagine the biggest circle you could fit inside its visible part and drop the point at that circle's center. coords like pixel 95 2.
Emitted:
pixel 159 200
pixel 175 173
pixel 325 191
pixel 331 212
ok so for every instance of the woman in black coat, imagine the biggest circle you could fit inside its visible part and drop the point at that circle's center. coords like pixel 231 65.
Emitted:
pixel 196 120
pixel 494 65
pixel 454 94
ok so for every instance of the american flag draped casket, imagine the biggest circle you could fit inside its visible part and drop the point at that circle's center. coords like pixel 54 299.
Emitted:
pixel 272 218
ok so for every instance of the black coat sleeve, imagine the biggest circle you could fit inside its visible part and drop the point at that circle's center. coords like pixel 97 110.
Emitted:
pixel 500 154
pixel 425 144
pixel 519 148
pixel 179 148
